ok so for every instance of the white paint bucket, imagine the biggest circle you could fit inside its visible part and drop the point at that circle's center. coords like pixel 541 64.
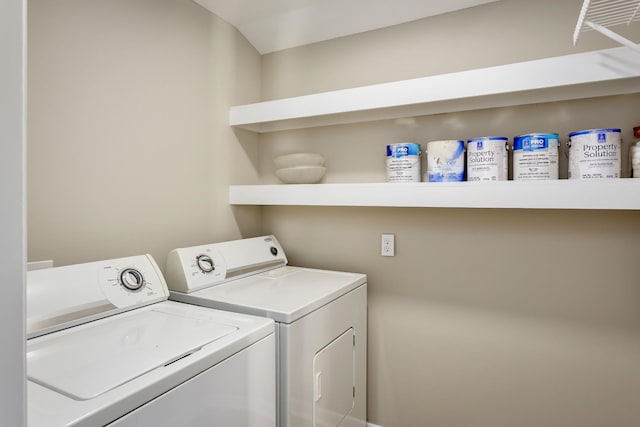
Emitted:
pixel 595 154
pixel 445 161
pixel 535 156
pixel 487 159
pixel 634 155
pixel 403 162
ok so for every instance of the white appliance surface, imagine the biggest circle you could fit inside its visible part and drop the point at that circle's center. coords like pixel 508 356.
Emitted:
pixel 124 368
pixel 199 267
pixel 284 294
pixel 61 297
pixel 323 365
pixel 85 362
pixel 321 320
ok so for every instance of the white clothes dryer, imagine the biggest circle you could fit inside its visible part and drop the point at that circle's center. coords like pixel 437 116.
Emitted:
pixel 104 347
pixel 321 320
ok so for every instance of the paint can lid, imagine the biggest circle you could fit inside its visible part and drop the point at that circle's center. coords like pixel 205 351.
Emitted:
pixel 588 131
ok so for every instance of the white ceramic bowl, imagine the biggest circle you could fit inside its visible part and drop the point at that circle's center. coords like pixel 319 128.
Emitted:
pixel 298 159
pixel 301 174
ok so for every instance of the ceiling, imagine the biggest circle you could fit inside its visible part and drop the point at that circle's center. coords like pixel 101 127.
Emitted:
pixel 272 25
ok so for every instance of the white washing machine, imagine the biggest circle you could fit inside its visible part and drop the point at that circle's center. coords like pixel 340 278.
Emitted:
pixel 104 347
pixel 321 321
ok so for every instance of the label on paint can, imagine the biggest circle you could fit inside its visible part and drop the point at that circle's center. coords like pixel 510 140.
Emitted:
pixel 595 154
pixel 487 159
pixel 535 156
pixel 634 158
pixel 445 161
pixel 403 162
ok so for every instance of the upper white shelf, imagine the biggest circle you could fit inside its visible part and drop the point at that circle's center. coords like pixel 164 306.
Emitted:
pixel 613 194
pixel 598 73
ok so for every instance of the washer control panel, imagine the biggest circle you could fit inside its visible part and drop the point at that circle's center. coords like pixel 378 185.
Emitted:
pixel 199 267
pixel 195 268
pixel 66 296
pixel 131 282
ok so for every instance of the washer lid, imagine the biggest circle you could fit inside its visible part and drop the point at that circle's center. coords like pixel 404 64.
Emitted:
pixel 88 360
pixel 284 294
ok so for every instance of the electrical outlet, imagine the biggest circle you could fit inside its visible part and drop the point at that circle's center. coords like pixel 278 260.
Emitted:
pixel 388 243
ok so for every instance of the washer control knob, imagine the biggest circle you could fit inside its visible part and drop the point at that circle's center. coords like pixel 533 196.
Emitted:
pixel 205 263
pixel 131 279
pixel 274 251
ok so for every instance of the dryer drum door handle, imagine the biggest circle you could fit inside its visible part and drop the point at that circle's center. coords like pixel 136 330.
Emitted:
pixel 318 387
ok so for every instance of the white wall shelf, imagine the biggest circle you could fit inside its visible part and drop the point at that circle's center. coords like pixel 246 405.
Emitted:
pixel 598 73
pixel 583 75
pixel 612 194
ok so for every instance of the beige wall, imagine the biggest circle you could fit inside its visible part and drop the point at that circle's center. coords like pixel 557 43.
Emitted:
pixel 497 33
pixel 129 148
pixel 494 318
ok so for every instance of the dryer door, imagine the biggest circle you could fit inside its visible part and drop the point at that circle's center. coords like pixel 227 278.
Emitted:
pixel 334 381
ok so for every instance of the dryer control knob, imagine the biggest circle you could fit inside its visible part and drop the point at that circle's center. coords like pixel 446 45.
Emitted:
pixel 131 279
pixel 205 263
pixel 274 251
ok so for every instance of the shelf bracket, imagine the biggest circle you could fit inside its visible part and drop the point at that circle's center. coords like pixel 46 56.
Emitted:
pixel 598 15
pixel 613 35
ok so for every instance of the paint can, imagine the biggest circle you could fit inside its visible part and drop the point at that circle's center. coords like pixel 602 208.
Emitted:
pixel 445 161
pixel 535 156
pixel 487 158
pixel 634 154
pixel 403 162
pixel 595 154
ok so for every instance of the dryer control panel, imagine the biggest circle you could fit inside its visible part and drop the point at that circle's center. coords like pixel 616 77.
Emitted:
pixel 199 267
pixel 61 297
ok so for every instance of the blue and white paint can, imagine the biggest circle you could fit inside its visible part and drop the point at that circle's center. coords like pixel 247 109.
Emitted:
pixel 445 161
pixel 595 154
pixel 535 156
pixel 403 162
pixel 487 158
